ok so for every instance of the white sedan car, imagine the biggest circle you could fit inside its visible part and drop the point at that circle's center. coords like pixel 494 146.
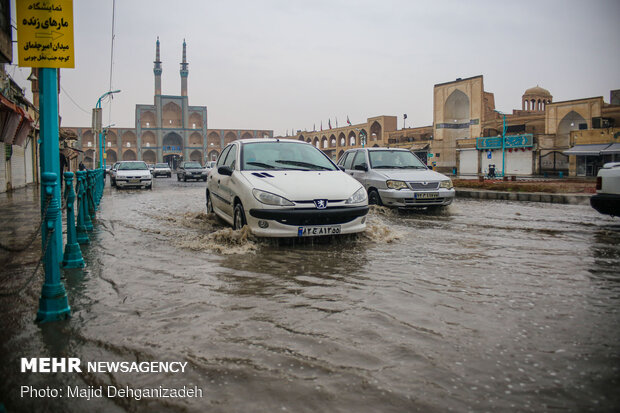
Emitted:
pixel 284 188
pixel 133 174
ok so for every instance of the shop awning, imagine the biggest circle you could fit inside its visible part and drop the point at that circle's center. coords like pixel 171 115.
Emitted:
pixel 15 123
pixel 590 150
pixel 611 149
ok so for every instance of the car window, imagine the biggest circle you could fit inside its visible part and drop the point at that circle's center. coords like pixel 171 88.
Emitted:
pixel 161 165
pixel 193 165
pixel 349 160
pixel 360 159
pixel 284 156
pixel 394 159
pixel 342 158
pixel 231 157
pixel 222 157
pixel 132 166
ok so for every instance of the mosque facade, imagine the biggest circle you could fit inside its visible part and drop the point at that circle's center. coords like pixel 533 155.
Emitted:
pixel 169 130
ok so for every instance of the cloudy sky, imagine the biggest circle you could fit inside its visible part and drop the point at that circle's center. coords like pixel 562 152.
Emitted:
pixel 290 64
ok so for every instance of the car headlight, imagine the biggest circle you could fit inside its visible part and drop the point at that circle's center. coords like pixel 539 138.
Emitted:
pixel 396 184
pixel 357 197
pixel 447 184
pixel 270 199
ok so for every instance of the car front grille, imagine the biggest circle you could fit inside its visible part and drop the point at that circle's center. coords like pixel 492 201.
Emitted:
pixel 423 186
pixel 304 216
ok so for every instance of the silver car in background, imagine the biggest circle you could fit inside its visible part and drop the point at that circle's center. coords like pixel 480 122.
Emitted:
pixel 397 178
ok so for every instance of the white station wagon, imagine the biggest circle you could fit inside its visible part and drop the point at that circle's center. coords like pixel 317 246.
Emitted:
pixel 284 188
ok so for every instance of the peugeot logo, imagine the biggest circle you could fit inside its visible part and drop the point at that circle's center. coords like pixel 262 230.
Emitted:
pixel 424 183
pixel 320 203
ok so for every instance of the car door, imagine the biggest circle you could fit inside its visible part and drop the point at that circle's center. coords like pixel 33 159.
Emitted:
pixel 227 183
pixel 215 180
pixel 359 167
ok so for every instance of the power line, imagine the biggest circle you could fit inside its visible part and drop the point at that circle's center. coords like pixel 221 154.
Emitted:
pixel 112 60
pixel 74 102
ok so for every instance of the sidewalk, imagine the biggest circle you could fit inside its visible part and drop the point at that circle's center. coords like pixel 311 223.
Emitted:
pixel 575 199
pixel 20 214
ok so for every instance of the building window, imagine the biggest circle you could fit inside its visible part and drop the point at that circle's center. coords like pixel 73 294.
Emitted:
pixel 109 144
pixel 148 144
pixel 193 126
pixel 90 144
pixel 129 144
pixel 148 124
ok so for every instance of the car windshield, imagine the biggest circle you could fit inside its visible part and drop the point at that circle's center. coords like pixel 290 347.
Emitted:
pixel 283 156
pixel 193 165
pixel 132 166
pixel 161 165
pixel 392 159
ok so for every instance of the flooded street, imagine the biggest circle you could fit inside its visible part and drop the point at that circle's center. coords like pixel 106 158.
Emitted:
pixel 487 306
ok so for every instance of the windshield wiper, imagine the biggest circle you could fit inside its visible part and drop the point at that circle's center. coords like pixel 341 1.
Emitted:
pixel 264 165
pixel 304 164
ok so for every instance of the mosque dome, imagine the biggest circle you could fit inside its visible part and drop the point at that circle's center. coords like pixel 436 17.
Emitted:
pixel 535 99
pixel 537 91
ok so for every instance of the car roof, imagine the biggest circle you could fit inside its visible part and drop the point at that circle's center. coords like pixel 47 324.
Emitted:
pixel 262 140
pixel 383 148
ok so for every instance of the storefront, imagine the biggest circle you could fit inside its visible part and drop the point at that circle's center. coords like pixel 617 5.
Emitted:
pixel 590 158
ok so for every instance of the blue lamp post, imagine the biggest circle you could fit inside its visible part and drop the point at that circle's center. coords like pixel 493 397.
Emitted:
pixel 53 303
pixel 98 106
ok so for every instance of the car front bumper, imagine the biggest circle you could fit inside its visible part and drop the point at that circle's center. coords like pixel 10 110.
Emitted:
pixel 406 198
pixel 608 204
pixel 287 222
pixel 132 184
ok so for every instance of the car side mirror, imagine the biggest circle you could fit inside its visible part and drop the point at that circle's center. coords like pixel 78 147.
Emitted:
pixel 225 170
pixel 341 168
pixel 361 167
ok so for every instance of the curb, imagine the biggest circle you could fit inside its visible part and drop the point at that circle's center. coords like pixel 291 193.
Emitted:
pixel 573 199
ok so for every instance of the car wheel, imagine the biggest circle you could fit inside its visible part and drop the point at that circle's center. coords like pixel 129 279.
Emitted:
pixel 374 198
pixel 150 187
pixel 239 217
pixel 204 179
pixel 209 203
pixel 178 177
pixel 184 178
pixel 112 182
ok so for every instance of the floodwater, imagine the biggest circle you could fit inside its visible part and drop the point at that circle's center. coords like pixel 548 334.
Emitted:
pixel 487 306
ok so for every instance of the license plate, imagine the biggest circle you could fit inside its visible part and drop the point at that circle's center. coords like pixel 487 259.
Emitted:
pixel 318 231
pixel 426 195
pixel 134 181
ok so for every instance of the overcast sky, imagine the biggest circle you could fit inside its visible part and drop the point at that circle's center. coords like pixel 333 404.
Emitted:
pixel 288 64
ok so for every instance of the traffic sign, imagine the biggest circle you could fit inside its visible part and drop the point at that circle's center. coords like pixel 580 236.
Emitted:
pixel 45 33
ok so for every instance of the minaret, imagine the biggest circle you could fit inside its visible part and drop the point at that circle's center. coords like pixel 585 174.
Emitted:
pixel 184 71
pixel 157 70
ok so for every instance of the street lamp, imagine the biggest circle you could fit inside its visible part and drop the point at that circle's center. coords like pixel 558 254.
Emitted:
pixel 503 139
pixel 98 106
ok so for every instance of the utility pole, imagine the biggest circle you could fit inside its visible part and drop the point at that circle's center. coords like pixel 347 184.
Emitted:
pixel 99 130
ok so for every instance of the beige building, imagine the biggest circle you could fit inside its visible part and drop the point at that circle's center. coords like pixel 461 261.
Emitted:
pixel 467 137
pixel 169 130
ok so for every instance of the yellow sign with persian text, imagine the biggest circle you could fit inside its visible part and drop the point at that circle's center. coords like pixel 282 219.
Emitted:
pixel 45 33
